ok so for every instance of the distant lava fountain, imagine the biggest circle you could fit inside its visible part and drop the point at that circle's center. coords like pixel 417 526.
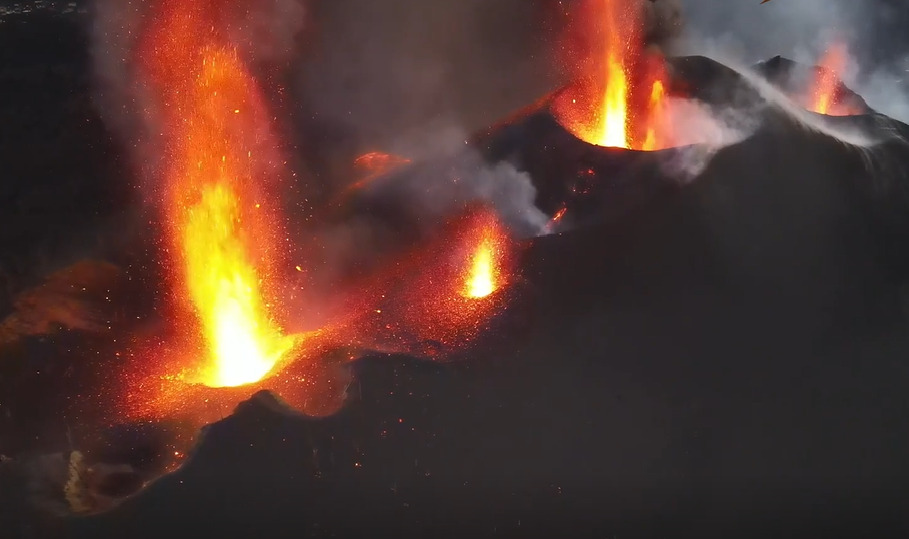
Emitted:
pixel 825 95
pixel 220 164
pixel 620 97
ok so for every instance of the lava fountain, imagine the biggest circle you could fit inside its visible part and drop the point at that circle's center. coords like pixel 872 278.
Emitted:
pixel 481 280
pixel 443 294
pixel 220 163
pixel 619 99
pixel 825 94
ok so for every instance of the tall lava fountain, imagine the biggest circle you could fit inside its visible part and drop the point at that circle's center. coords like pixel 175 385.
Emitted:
pixel 619 97
pixel 220 164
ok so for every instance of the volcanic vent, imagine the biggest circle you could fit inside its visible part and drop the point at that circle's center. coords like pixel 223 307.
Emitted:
pixel 817 88
pixel 643 280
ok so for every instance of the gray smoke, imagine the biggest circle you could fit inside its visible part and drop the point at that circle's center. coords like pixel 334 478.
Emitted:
pixel 663 22
pixel 748 32
pixel 391 71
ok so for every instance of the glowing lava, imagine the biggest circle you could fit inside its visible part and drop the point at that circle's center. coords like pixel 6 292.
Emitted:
pixel 219 159
pixel 657 95
pixel 444 293
pixel 620 98
pixel 825 94
pixel 481 280
pixel 620 38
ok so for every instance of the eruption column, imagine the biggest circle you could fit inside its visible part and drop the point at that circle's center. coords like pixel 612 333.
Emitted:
pixel 826 84
pixel 620 98
pixel 220 163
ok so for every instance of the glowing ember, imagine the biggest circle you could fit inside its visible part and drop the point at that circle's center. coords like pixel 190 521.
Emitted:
pixel 219 155
pixel 824 96
pixel 481 281
pixel 608 106
pixel 556 219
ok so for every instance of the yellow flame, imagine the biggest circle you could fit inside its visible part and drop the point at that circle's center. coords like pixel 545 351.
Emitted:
pixel 614 111
pixel 245 345
pixel 481 279
pixel 225 279
pixel 613 118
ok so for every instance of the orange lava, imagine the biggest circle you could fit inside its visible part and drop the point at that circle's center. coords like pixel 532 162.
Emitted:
pixel 374 163
pixel 825 95
pixel 220 170
pixel 619 100
pixel 657 97
pixel 556 219
pixel 481 279
pixel 221 164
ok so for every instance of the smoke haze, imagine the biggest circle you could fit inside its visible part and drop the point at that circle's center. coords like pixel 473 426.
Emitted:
pixel 748 32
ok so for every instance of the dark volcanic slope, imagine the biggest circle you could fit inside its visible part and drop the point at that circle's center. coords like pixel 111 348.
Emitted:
pixel 728 356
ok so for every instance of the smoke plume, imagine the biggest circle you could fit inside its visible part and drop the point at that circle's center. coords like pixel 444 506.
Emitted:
pixel 802 30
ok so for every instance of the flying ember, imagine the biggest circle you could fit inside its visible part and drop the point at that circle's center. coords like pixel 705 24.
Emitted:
pixel 481 280
pixel 219 155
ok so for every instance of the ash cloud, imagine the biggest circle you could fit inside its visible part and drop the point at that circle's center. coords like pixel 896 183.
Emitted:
pixel 663 22
pixel 393 72
pixel 415 79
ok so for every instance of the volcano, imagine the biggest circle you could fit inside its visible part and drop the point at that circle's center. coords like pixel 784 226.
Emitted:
pixel 694 356
pixel 681 354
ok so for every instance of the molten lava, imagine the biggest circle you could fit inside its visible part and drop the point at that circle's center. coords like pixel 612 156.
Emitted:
pixel 444 293
pixel 375 163
pixel 219 160
pixel 825 95
pixel 620 98
pixel 657 95
pixel 620 37
pixel 481 280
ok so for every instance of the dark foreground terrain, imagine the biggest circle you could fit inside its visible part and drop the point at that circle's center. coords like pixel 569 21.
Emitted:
pixel 720 358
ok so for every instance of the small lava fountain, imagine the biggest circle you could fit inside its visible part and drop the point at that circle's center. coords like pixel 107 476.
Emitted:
pixel 825 95
pixel 481 280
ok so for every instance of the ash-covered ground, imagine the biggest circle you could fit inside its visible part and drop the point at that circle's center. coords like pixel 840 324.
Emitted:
pixel 717 353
